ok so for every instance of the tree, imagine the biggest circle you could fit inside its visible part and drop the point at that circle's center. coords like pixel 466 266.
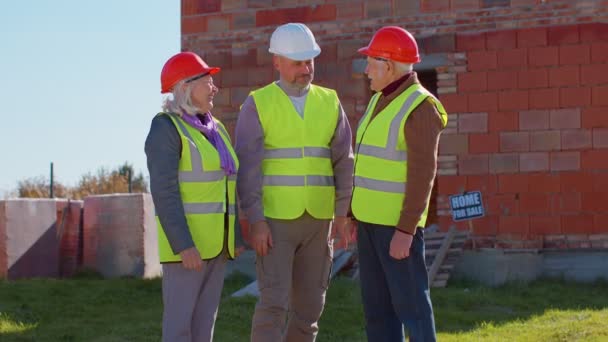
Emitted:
pixel 103 182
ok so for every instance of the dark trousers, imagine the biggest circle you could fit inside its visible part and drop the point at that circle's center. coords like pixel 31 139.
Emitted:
pixel 395 293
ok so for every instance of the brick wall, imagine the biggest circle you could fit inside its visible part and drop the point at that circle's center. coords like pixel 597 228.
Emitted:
pixel 524 82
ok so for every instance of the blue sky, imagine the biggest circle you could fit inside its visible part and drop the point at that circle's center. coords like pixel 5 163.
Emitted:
pixel 79 84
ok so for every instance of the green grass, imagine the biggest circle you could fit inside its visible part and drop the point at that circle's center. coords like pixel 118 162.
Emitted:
pixel 90 309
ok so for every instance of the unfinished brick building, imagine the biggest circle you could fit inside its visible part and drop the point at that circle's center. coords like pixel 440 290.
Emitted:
pixel 525 83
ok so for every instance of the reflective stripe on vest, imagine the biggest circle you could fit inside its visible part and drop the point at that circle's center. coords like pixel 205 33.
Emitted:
pixel 203 194
pixel 297 169
pixel 381 171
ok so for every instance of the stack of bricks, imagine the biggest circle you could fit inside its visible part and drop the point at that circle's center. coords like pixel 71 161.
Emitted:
pixel 531 116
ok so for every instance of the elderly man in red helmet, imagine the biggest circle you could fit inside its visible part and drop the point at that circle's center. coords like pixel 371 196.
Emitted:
pixel 395 165
pixel 294 143
pixel 192 181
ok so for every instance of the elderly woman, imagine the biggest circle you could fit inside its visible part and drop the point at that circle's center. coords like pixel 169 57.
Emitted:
pixel 192 179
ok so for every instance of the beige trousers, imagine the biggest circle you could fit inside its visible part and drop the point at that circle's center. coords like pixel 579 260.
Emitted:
pixel 293 278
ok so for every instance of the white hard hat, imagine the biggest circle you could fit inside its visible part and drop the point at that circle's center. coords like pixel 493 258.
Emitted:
pixel 294 41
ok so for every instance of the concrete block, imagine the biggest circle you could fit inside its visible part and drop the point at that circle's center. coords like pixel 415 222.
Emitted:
pixel 29 245
pixel 120 235
pixel 495 267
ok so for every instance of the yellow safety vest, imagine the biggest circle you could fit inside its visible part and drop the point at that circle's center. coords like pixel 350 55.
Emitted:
pixel 203 186
pixel 297 169
pixel 381 158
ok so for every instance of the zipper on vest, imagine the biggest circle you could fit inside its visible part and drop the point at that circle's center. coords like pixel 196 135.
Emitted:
pixel 227 222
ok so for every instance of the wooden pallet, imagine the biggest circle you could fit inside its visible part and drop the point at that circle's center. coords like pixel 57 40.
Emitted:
pixel 442 251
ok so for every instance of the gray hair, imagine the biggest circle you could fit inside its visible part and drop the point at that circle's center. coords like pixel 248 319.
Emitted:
pixel 181 101
pixel 403 68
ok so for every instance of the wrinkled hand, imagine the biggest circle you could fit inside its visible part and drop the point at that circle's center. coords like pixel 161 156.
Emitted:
pixel 400 245
pixel 261 238
pixel 342 226
pixel 191 259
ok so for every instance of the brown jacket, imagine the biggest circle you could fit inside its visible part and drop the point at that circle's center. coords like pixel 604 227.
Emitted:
pixel 422 130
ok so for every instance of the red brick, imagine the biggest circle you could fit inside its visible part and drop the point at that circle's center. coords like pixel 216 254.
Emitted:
pixel 455 103
pixel 454 144
pixel 564 76
pixel 532 37
pixel 574 54
pixel 596 202
pixel 487 184
pixel 534 203
pixel 473 123
pixel 600 180
pixel 599 52
pixel 600 224
pixel 450 185
pixel 503 204
pixel 435 6
pixel 502 121
pixel 545 225
pixel 600 138
pixel 576 182
pixel 495 3
pixel 534 161
pixel 546 98
pixel 594 74
pixel 562 35
pixel 406 8
pixel 472 81
pixel 193 25
pixel 576 139
pixel 599 96
pixel 594 32
pixel 470 42
pixel 576 97
pixel 440 43
pixel 349 11
pixel 567 202
pixel 577 223
pixel 595 117
pixel 376 9
pixel 544 182
pixel 504 163
pixel 243 20
pixel 594 159
pixel 501 40
pixel 457 5
pixel 565 118
pixel 228 5
pixel 193 7
pixel 501 80
pixel 483 143
pixel 513 225
pixel 219 23
pixel 545 140
pixel 513 183
pixel 533 120
pixel 514 142
pixel 533 78
pixel 565 161
pixel 512 58
pixel 483 102
pixel 296 14
pixel 259 3
pixel 474 164
pixel 481 60
pixel 543 56
pixel 513 100
pixel 484 226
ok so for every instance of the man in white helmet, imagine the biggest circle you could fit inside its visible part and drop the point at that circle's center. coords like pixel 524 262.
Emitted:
pixel 293 141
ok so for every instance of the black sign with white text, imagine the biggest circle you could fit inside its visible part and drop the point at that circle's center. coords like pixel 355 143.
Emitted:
pixel 466 206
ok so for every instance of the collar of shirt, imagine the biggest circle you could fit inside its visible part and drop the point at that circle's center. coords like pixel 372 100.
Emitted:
pixel 395 84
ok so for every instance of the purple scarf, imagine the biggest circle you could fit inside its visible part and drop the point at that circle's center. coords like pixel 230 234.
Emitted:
pixel 209 128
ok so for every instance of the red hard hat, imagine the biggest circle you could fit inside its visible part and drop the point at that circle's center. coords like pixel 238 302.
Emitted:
pixel 182 66
pixel 394 43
